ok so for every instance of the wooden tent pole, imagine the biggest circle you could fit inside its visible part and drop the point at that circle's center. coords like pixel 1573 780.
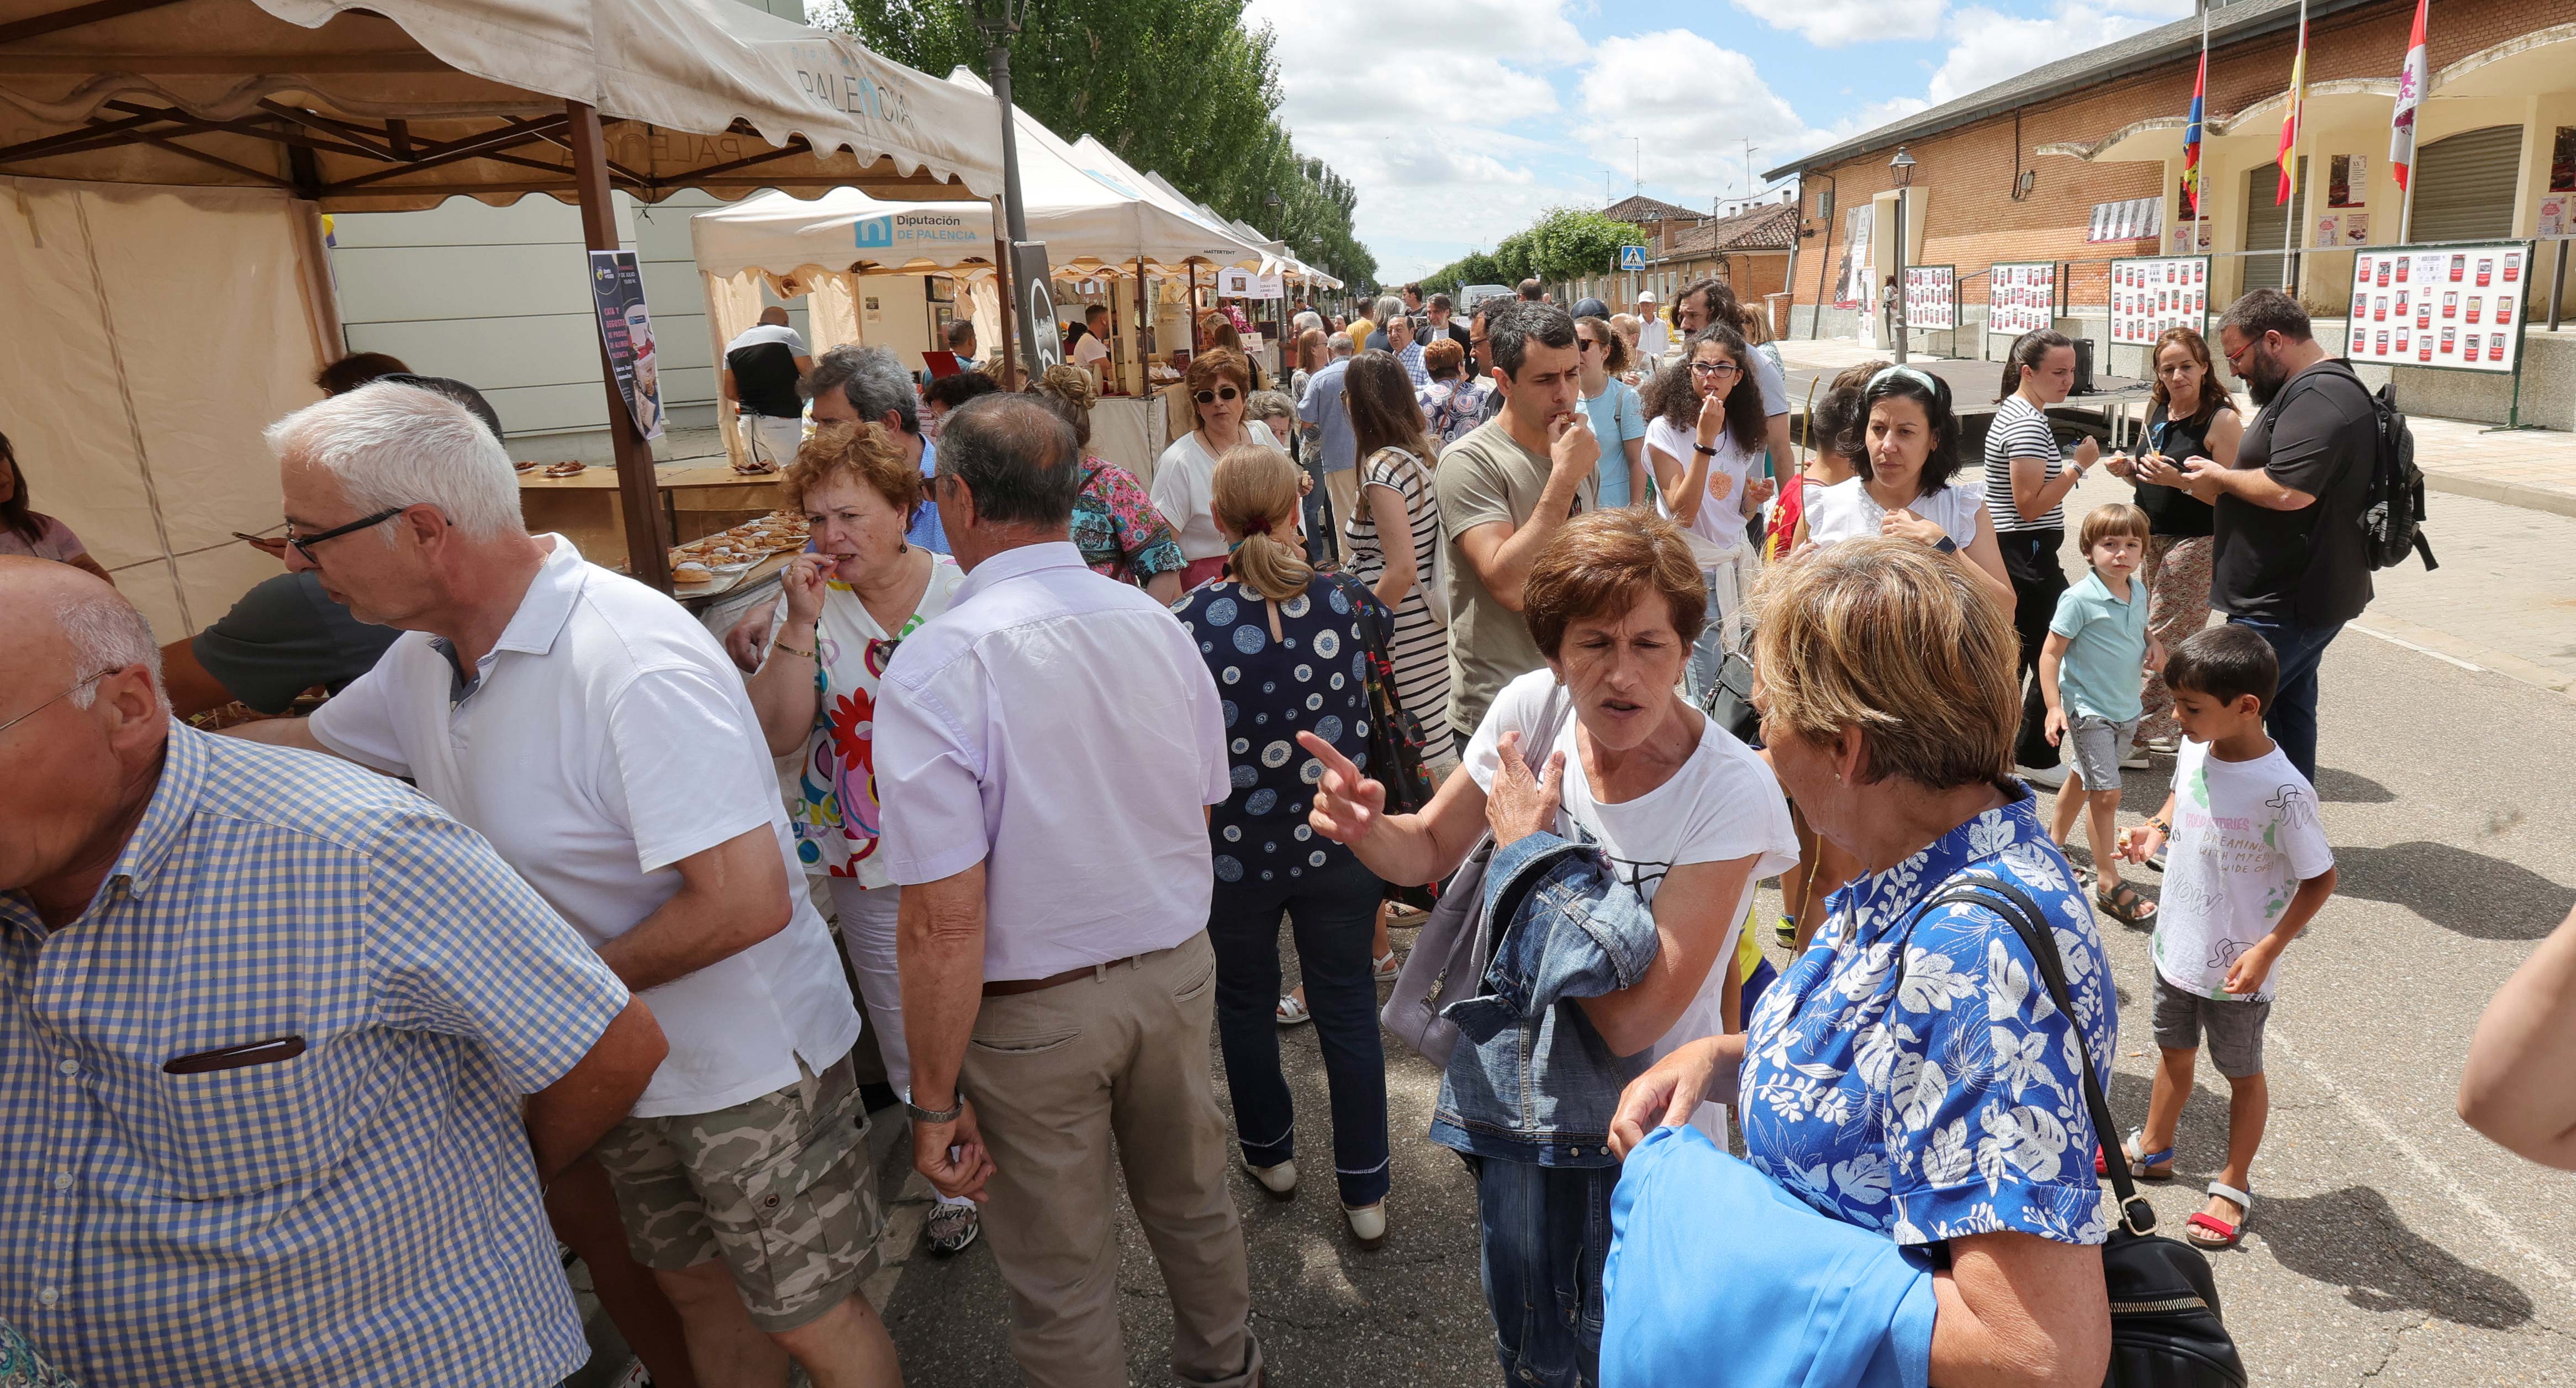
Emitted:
pixel 639 497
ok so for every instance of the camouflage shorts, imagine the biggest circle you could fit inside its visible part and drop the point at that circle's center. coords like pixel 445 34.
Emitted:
pixel 778 1187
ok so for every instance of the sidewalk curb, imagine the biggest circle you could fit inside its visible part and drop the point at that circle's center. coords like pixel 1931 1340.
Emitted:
pixel 2528 497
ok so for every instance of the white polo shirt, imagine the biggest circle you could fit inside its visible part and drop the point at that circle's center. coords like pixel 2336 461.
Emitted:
pixel 605 738
pixel 1061 728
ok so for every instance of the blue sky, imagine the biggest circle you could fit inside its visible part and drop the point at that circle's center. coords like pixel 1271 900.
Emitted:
pixel 1460 120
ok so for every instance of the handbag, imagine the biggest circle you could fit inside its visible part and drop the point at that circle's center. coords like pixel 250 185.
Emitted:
pixel 2165 1326
pixel 1455 943
pixel 1729 700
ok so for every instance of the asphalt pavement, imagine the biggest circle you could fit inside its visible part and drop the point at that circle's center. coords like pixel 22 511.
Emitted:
pixel 2389 1244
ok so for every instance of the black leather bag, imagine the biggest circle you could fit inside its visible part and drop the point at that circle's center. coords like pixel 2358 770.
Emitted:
pixel 1396 738
pixel 1728 701
pixel 2165 1325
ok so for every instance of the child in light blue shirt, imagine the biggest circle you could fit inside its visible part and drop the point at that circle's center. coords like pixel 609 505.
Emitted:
pixel 2098 654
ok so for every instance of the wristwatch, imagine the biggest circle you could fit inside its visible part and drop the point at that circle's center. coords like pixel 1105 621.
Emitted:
pixel 1703 449
pixel 949 1115
pixel 1947 545
pixel 2161 827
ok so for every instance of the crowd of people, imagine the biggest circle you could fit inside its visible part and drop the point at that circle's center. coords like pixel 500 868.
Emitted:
pixel 1028 763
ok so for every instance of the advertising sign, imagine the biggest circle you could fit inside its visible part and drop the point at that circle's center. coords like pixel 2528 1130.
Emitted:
pixel 626 329
pixel 1031 277
pixel 1932 297
pixel 2151 294
pixel 896 237
pixel 2457 307
pixel 2021 297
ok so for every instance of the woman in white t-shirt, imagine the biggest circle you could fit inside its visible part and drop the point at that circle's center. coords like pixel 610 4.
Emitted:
pixel 1686 816
pixel 1218 381
pixel 1909 453
pixel 848 600
pixel 1705 445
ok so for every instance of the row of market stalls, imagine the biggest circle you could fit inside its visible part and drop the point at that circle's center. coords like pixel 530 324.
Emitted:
pixel 165 166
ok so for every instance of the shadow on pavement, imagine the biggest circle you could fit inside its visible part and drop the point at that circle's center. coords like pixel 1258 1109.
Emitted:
pixel 2338 786
pixel 2352 1238
pixel 2467 893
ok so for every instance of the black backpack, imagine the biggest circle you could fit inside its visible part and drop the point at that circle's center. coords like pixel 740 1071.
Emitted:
pixel 2392 519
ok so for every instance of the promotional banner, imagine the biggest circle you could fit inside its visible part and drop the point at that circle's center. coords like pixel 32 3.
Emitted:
pixel 2021 297
pixel 2152 294
pixel 1932 297
pixel 2452 306
pixel 1031 277
pixel 626 329
pixel 1235 283
pixel 1852 288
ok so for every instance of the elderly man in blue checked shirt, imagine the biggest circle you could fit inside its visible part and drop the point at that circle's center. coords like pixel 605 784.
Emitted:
pixel 278 1040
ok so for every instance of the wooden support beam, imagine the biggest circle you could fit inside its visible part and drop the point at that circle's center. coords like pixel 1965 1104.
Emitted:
pixel 648 549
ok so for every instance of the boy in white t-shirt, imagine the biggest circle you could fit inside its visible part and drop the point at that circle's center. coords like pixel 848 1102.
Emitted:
pixel 2247 869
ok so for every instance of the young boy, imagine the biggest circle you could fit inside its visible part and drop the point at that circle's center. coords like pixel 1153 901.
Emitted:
pixel 2248 868
pixel 2090 672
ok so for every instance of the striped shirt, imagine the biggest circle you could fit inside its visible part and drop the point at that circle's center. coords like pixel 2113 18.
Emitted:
pixel 365 1211
pixel 1419 645
pixel 2020 430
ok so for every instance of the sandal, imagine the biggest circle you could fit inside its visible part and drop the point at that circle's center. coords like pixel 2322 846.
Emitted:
pixel 2221 1234
pixel 1786 932
pixel 2146 1166
pixel 1385 967
pixel 1292 1012
pixel 2126 904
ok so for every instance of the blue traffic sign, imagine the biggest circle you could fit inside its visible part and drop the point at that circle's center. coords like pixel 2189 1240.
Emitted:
pixel 1632 257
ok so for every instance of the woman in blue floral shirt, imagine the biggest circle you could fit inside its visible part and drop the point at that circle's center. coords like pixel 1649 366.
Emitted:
pixel 1909 1074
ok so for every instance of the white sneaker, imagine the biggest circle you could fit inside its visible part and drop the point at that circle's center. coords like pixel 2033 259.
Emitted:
pixel 1368 1224
pixel 2135 760
pixel 1280 1181
pixel 2049 778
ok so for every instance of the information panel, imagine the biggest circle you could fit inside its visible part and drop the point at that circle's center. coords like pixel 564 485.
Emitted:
pixel 1932 297
pixel 2151 294
pixel 2021 297
pixel 2454 306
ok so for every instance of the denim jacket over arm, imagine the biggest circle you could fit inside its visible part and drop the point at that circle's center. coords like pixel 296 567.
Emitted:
pixel 1531 1080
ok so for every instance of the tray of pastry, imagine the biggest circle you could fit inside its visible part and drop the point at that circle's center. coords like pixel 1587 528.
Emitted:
pixel 713 563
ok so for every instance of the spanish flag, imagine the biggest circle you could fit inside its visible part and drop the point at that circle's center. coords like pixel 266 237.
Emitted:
pixel 2289 156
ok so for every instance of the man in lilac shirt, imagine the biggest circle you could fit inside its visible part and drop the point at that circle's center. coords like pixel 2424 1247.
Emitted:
pixel 1046 750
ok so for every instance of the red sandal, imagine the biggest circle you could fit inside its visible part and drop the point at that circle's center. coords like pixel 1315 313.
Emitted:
pixel 2226 1235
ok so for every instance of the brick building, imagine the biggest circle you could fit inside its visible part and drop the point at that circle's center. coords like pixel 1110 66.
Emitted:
pixel 1750 251
pixel 2055 163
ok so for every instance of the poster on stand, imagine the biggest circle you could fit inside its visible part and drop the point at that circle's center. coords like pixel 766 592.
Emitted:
pixel 2153 293
pixel 2021 296
pixel 1851 286
pixel 2454 307
pixel 1932 297
pixel 626 330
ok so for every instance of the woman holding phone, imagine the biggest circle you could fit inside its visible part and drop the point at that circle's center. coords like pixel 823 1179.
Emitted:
pixel 2190 415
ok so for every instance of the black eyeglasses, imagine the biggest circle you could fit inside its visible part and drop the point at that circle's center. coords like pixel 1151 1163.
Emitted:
pixel 1720 369
pixel 304 543
pixel 1210 397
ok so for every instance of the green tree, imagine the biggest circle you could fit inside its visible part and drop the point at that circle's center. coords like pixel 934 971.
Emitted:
pixel 1175 87
pixel 1564 243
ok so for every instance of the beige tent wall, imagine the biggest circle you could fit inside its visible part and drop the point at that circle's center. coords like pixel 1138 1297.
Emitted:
pixel 156 332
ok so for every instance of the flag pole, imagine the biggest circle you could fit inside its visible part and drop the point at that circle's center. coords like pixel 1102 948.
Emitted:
pixel 2290 166
pixel 2200 171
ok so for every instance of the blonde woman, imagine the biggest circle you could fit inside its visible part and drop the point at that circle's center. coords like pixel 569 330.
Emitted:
pixel 1280 638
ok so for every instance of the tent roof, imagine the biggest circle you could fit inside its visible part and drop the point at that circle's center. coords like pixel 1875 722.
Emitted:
pixel 404 103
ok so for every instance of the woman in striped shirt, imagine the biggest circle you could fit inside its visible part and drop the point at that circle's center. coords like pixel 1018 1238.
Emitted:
pixel 2027 479
pixel 1396 499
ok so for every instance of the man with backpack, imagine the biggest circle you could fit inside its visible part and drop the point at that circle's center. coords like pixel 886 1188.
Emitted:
pixel 2293 557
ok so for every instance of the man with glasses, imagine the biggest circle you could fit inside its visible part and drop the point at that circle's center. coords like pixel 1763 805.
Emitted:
pixel 287 1056
pixel 1327 422
pixel 2290 560
pixel 854 385
pixel 601 740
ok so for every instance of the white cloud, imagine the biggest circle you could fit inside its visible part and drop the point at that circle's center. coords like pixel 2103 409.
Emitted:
pixel 1693 104
pixel 1874 115
pixel 1987 46
pixel 1835 23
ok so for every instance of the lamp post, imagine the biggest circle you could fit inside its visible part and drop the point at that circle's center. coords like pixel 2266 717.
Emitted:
pixel 999 19
pixel 1903 165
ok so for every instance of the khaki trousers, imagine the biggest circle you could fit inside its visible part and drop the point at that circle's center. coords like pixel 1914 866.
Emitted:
pixel 1055 1075
pixel 1344 488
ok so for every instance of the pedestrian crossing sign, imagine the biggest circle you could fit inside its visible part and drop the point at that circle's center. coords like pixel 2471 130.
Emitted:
pixel 1632 257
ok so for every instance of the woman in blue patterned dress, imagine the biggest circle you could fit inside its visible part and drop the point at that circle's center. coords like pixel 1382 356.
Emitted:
pixel 1909 1074
pixel 1285 646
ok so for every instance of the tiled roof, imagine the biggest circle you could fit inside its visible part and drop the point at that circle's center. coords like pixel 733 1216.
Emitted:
pixel 1640 208
pixel 1772 228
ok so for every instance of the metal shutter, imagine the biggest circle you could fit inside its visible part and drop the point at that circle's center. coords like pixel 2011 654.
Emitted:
pixel 2464 185
pixel 2266 221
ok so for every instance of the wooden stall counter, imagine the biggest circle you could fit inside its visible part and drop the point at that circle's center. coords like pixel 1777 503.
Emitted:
pixel 696 500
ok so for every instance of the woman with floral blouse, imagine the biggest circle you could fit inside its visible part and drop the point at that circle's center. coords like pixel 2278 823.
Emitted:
pixel 1908 1074
pixel 1115 524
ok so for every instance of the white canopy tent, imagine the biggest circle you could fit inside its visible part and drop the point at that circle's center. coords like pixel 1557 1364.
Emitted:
pixel 164 165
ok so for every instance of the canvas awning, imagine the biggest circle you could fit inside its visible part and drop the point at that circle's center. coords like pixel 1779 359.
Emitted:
pixel 404 103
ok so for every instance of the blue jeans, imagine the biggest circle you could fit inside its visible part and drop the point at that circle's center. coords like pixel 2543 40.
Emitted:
pixel 2292 719
pixel 1333 910
pixel 1545 1232
pixel 1726 586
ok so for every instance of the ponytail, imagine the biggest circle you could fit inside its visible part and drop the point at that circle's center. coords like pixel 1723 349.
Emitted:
pixel 1254 489
pixel 2028 351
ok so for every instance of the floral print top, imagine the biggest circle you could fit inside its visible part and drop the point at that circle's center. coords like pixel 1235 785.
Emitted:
pixel 1118 530
pixel 1939 1099
pixel 832 807
pixel 1453 407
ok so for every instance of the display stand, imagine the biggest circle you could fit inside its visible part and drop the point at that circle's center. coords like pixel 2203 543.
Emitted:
pixel 2458 306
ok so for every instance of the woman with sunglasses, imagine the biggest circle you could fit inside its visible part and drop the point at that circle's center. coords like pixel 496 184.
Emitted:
pixel 1706 448
pixel 850 600
pixel 1218 383
pixel 1618 418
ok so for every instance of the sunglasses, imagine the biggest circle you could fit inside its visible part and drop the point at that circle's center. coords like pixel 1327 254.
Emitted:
pixel 1585 344
pixel 1225 393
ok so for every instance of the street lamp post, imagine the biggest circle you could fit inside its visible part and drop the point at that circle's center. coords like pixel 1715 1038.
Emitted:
pixel 1903 164
pixel 999 19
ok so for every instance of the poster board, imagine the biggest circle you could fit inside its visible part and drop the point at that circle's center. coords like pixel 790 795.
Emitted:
pixel 1932 298
pixel 2021 296
pixel 1852 288
pixel 2450 307
pixel 2152 293
pixel 626 329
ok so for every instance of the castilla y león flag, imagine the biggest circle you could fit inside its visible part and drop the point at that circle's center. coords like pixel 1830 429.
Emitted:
pixel 2290 117
pixel 2410 97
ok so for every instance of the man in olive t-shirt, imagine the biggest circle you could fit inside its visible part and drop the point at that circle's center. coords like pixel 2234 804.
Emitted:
pixel 1506 488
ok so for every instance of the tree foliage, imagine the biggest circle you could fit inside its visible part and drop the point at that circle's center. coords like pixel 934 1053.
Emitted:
pixel 1176 87
pixel 1564 243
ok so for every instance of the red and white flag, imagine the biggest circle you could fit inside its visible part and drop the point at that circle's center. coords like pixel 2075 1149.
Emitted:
pixel 2411 82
